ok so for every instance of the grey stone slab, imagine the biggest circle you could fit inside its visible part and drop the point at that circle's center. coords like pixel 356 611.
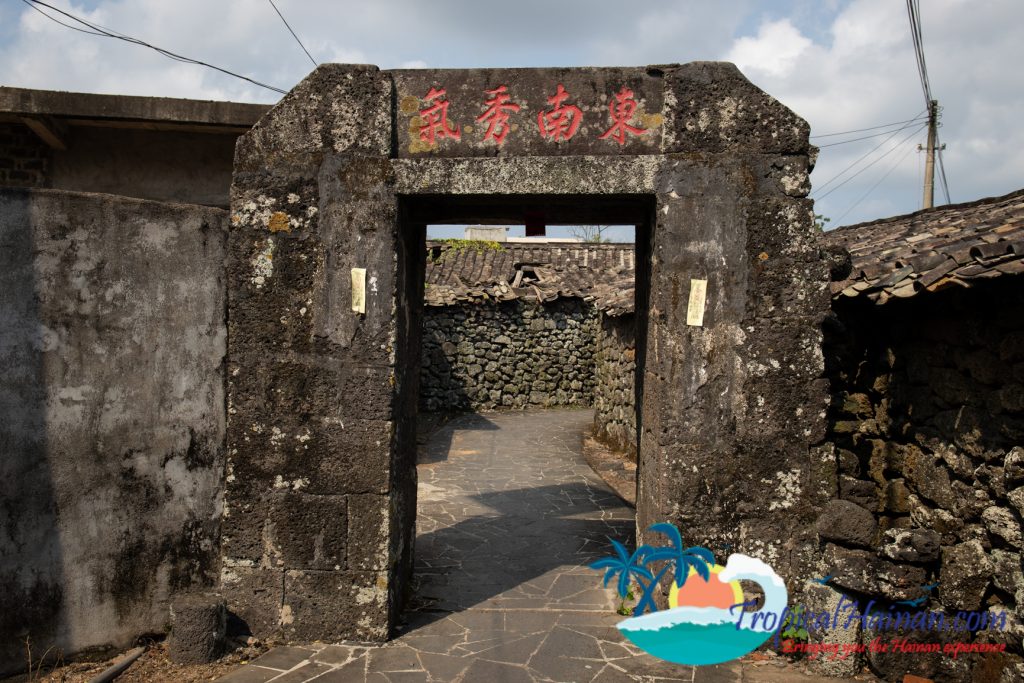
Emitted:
pixel 283 658
pixel 249 674
pixel 496 672
pixel 339 654
pixel 306 672
pixel 397 657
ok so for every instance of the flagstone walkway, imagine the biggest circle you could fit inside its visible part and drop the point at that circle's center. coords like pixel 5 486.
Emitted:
pixel 509 517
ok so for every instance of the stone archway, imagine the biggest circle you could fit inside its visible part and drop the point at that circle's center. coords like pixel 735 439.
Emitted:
pixel 320 497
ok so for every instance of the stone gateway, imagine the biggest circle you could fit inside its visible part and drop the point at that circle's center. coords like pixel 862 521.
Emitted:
pixel 346 172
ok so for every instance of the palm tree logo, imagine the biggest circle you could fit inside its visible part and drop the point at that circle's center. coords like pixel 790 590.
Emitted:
pixel 636 566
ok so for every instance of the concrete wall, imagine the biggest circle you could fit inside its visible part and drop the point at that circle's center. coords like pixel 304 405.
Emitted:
pixel 511 355
pixel 112 339
pixel 928 419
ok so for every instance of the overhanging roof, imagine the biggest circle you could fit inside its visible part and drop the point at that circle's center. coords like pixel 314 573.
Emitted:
pixel 948 246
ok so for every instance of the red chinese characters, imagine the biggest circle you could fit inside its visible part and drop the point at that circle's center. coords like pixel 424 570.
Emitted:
pixel 497 115
pixel 435 118
pixel 621 109
pixel 563 120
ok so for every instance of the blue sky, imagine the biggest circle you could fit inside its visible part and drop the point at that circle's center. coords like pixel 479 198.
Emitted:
pixel 841 65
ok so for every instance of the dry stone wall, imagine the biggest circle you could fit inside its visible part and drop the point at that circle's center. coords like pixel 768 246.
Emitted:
pixel 615 383
pixel 509 355
pixel 927 418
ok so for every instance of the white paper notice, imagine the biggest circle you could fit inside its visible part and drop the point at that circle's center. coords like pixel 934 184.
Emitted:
pixel 695 309
pixel 359 290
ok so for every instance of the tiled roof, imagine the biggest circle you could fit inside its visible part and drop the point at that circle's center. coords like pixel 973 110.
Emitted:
pixel 601 273
pixel 930 250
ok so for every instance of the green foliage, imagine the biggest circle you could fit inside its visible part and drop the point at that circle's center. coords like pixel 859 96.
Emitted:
pixel 792 626
pixel 821 221
pixel 456 245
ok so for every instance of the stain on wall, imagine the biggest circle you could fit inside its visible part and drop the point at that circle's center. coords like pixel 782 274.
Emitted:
pixel 112 340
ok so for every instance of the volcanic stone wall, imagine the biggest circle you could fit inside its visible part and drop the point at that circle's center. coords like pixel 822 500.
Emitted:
pixel 615 383
pixel 112 342
pixel 511 355
pixel 928 420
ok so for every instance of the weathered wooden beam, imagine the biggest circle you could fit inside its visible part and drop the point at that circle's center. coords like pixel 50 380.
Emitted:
pixel 49 130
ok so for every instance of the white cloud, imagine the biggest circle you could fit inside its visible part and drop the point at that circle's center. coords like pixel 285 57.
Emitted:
pixel 774 52
pixel 841 66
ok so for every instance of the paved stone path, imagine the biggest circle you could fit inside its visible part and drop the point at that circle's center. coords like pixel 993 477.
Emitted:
pixel 509 516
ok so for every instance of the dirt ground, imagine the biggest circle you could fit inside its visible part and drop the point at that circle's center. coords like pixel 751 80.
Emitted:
pixel 151 667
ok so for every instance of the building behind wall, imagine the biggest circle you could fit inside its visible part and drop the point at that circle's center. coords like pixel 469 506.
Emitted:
pixel 158 148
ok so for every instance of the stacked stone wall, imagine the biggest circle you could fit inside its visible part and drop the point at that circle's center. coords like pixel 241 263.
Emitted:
pixel 927 418
pixel 508 355
pixel 615 383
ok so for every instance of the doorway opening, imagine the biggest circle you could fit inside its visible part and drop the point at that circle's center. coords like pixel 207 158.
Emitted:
pixel 527 344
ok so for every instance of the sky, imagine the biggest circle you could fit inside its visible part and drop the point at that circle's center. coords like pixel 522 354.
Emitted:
pixel 841 65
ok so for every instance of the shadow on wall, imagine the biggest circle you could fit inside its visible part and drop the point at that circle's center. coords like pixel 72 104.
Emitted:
pixel 31 582
pixel 112 341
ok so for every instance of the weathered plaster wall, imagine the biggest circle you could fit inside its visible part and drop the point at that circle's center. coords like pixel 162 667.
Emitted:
pixel 928 419
pixel 112 340
pixel 615 383
pixel 732 412
pixel 509 355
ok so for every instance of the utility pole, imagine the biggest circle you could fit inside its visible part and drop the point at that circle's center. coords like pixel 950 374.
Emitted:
pixel 929 159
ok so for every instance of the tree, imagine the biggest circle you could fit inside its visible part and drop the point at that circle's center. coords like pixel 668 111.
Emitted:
pixel 590 233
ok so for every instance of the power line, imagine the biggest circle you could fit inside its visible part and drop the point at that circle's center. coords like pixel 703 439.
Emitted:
pixel 108 33
pixel 873 187
pixel 861 130
pixel 866 137
pixel 891 150
pixel 288 26
pixel 865 155
pixel 914 12
pixel 54 19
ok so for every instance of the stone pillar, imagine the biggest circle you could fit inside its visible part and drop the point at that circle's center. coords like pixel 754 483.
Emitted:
pixel 318 517
pixel 734 410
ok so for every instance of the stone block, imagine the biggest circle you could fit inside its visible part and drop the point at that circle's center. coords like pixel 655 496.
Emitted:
pixel 1002 523
pixel 368 532
pixel 862 571
pixel 1007 571
pixel 820 599
pixel 863 493
pixel 308 531
pixel 335 606
pixel 910 545
pixel 255 598
pixel 846 522
pixel 198 624
pixel 965 574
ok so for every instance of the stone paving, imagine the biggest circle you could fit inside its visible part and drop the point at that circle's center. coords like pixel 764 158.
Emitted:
pixel 509 517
